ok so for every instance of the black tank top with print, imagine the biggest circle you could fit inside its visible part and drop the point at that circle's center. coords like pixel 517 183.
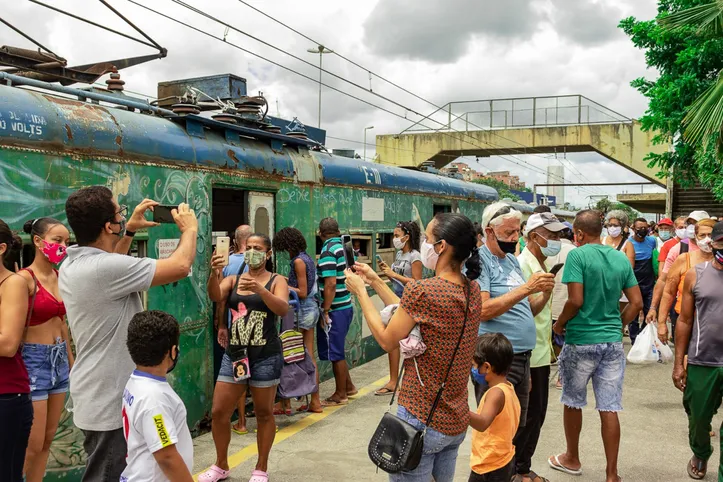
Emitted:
pixel 253 324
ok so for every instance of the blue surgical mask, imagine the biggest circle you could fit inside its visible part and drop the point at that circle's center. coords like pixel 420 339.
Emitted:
pixel 665 235
pixel 478 377
pixel 553 248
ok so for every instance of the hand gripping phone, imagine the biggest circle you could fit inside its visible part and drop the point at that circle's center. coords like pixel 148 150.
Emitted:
pixel 162 214
pixel 222 247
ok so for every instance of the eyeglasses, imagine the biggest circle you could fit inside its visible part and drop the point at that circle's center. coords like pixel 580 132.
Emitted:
pixel 123 211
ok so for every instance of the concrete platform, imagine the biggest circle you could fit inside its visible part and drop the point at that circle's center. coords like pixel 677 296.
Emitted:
pixel 333 446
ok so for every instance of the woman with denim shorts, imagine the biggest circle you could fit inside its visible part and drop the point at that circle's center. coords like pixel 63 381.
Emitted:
pixel 437 306
pixel 46 346
pixel 16 407
pixel 302 280
pixel 253 355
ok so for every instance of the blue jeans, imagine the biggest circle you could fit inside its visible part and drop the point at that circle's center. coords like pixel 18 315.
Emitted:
pixel 604 363
pixel 439 455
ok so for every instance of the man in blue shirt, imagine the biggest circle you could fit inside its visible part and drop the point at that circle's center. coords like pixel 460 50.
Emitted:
pixel 644 245
pixel 509 302
pixel 236 260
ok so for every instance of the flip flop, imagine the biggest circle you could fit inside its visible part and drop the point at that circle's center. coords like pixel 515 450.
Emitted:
pixel 558 466
pixel 383 392
pixel 214 474
pixel 237 431
pixel 533 476
pixel 701 467
pixel 352 394
pixel 259 476
pixel 330 402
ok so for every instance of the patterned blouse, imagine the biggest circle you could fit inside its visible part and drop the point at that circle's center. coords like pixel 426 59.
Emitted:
pixel 438 306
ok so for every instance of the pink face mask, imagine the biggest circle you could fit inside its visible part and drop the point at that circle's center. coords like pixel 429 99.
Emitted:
pixel 54 252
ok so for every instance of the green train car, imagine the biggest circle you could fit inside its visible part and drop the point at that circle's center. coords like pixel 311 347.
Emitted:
pixel 55 140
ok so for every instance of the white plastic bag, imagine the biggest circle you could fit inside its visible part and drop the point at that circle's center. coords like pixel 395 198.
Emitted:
pixel 644 351
pixel 666 354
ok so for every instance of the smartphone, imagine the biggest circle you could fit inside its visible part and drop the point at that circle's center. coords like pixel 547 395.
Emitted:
pixel 379 259
pixel 556 269
pixel 162 214
pixel 348 251
pixel 222 248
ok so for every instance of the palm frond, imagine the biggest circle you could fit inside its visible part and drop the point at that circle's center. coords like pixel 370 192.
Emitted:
pixel 705 116
pixel 707 18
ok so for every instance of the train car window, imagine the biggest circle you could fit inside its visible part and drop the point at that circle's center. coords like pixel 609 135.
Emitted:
pixel 384 240
pixel 441 208
pixel 319 244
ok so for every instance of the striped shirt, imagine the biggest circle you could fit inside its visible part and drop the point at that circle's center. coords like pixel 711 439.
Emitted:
pixel 332 264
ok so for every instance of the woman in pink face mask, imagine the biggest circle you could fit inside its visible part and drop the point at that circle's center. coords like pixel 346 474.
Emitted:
pixel 46 344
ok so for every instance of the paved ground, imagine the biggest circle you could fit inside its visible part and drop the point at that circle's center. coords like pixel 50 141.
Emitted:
pixel 332 447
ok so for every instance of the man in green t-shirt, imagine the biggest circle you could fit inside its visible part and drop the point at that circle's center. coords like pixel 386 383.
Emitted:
pixel 593 325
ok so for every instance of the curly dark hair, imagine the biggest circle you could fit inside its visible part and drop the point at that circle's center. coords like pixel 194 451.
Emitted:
pixel 411 229
pixel 88 210
pixel 290 240
pixel 495 349
pixel 151 334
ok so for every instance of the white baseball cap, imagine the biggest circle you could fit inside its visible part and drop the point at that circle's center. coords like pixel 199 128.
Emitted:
pixel 547 220
pixel 698 216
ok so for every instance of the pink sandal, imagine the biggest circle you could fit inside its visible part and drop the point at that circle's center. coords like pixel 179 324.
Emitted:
pixel 259 476
pixel 214 474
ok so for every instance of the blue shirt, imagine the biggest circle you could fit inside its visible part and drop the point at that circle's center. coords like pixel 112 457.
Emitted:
pixel 234 264
pixel 498 277
pixel 644 249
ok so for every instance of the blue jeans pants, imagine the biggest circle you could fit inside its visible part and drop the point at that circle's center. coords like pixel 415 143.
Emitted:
pixel 439 455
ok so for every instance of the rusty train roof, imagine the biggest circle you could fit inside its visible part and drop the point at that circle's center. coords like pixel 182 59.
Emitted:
pixel 46 121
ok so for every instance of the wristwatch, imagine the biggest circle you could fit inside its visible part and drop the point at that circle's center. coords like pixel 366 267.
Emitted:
pixel 130 234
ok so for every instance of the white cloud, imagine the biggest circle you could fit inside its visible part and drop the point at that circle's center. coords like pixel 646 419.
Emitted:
pixel 443 50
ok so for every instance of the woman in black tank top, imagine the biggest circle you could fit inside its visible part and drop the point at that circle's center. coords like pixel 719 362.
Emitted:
pixel 256 299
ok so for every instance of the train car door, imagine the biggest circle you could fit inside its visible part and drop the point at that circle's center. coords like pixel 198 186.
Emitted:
pixel 261 213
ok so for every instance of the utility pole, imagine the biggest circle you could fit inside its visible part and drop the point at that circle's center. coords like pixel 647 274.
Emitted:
pixel 321 50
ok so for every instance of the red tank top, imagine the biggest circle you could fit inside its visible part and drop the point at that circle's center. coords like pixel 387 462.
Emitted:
pixel 13 375
pixel 46 306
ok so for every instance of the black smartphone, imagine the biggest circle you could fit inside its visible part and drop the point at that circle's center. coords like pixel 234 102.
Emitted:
pixel 556 269
pixel 162 214
pixel 348 251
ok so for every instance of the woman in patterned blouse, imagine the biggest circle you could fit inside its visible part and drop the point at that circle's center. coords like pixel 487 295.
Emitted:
pixel 438 306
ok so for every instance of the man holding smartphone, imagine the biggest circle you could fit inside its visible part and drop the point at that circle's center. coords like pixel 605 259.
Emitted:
pixel 337 311
pixel 543 241
pixel 101 285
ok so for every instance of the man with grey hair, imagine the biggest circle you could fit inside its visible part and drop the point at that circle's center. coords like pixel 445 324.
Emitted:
pixel 509 302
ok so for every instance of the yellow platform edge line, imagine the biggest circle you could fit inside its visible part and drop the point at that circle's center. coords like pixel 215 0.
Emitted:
pixel 238 458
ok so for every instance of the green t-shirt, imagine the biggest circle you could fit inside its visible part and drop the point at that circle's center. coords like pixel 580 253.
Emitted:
pixel 604 272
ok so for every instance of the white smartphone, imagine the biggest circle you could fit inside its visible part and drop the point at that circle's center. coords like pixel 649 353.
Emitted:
pixel 222 247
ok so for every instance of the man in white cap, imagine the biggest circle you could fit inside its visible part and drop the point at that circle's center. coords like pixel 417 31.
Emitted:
pixel 688 243
pixel 543 241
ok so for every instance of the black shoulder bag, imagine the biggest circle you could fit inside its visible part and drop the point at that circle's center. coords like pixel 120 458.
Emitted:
pixel 396 446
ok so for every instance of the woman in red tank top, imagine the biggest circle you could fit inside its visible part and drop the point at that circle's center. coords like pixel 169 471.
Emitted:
pixel 16 409
pixel 46 348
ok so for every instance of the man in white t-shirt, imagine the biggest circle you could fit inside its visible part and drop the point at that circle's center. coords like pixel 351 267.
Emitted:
pixel 160 448
pixel 101 287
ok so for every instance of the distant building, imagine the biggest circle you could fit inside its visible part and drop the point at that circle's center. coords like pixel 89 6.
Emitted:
pixel 529 197
pixel 461 170
pixel 556 175
pixel 513 182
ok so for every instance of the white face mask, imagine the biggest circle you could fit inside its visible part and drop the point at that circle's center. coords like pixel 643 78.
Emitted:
pixel 704 244
pixel 429 256
pixel 398 243
pixel 690 231
pixel 680 233
pixel 615 231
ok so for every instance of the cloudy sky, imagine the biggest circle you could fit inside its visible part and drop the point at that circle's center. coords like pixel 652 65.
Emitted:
pixel 441 50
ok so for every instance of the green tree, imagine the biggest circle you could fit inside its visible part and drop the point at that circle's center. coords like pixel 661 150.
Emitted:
pixel 502 189
pixel 606 205
pixel 688 60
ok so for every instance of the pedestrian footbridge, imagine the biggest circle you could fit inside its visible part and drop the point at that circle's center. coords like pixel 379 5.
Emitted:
pixel 530 125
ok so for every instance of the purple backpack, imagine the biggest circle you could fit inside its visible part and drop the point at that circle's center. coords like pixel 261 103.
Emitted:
pixel 298 379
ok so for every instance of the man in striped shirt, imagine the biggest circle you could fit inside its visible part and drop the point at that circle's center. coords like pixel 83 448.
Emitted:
pixel 337 311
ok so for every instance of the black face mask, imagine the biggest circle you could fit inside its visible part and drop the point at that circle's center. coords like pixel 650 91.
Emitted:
pixel 642 232
pixel 718 253
pixel 507 247
pixel 174 360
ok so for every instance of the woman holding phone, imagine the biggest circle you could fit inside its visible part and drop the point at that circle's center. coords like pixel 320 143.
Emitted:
pixel 407 267
pixel 253 355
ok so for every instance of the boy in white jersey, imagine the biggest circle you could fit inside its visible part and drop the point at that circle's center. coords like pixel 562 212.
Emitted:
pixel 154 417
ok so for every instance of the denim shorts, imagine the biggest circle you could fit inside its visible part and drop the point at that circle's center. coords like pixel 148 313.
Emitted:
pixel 48 369
pixel 265 372
pixel 308 314
pixel 439 454
pixel 604 363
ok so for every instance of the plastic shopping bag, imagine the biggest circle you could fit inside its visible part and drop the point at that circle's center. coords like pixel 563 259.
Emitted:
pixel 644 350
pixel 666 354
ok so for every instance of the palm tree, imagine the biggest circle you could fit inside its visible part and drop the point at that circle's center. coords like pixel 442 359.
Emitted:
pixel 705 115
